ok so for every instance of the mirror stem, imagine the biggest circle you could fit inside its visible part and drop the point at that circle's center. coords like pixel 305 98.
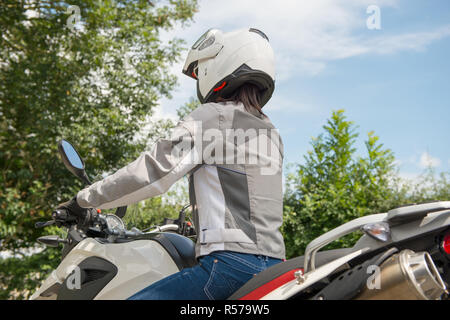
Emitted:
pixel 85 179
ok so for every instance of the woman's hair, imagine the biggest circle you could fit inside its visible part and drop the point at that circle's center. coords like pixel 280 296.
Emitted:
pixel 249 95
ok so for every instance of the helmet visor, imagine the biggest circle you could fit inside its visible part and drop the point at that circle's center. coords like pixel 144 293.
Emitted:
pixel 201 39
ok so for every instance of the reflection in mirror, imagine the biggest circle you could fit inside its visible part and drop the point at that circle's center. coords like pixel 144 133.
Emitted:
pixel 72 155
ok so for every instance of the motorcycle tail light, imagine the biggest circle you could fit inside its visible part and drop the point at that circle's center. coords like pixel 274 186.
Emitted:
pixel 446 243
pixel 378 230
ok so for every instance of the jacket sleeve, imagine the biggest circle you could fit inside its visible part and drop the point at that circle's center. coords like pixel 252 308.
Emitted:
pixel 149 175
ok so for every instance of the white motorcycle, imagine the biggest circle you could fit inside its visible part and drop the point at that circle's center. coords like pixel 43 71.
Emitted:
pixel 403 254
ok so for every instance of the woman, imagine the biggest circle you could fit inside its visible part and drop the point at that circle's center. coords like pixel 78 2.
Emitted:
pixel 233 156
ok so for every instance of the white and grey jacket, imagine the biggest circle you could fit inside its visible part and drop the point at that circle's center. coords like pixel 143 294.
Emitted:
pixel 234 162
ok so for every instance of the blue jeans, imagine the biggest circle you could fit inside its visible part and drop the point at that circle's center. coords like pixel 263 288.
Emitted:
pixel 216 277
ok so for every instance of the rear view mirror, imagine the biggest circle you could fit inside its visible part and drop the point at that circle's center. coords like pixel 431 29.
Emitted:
pixel 75 164
pixel 72 155
pixel 72 160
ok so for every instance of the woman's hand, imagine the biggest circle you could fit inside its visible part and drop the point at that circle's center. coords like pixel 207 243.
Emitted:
pixel 73 208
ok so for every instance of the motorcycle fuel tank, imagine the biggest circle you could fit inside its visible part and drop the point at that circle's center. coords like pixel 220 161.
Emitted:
pixel 93 270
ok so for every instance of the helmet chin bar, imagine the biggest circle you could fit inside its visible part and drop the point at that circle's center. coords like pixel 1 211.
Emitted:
pixel 190 70
pixel 244 74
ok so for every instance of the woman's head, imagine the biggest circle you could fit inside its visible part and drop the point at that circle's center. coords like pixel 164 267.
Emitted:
pixel 234 66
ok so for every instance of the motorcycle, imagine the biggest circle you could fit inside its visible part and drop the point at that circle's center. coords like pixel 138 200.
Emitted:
pixel 402 254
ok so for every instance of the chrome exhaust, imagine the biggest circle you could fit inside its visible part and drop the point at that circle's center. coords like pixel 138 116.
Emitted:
pixel 406 276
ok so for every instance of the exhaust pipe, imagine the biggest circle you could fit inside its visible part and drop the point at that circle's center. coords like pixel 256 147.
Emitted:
pixel 407 276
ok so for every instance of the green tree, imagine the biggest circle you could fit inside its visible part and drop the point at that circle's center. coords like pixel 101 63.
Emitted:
pixel 334 185
pixel 94 83
pixel 152 211
pixel 429 186
pixel 187 108
pixel 163 127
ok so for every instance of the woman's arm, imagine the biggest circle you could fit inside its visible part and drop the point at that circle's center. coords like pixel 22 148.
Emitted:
pixel 149 175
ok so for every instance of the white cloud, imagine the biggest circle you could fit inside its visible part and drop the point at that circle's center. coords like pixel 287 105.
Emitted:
pixel 408 178
pixel 426 160
pixel 306 35
pixel 410 41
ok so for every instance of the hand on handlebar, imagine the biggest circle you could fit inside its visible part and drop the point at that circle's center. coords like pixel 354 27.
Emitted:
pixel 73 208
pixel 84 216
pixel 63 216
pixel 70 212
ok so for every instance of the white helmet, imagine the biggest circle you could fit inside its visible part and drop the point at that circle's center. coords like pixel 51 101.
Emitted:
pixel 222 62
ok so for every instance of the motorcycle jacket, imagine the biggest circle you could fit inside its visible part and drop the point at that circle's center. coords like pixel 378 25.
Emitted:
pixel 233 159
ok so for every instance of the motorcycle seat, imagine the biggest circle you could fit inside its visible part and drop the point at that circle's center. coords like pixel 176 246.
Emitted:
pixel 180 248
pixel 281 273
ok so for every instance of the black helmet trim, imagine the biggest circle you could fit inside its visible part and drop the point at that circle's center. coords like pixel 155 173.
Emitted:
pixel 190 71
pixel 262 34
pixel 244 74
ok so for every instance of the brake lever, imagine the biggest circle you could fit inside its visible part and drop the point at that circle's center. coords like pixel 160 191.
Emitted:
pixel 41 224
pixel 59 217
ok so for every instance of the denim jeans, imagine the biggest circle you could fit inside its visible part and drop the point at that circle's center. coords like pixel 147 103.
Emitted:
pixel 216 277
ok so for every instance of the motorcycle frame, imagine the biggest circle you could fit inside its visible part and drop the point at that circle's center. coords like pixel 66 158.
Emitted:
pixel 435 217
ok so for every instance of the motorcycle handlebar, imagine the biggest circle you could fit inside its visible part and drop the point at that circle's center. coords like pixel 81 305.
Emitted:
pixel 165 228
pixel 61 217
pixel 136 232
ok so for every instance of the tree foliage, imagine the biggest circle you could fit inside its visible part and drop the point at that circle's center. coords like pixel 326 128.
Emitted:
pixel 334 185
pixel 152 211
pixel 55 83
pixel 94 83
pixel 429 186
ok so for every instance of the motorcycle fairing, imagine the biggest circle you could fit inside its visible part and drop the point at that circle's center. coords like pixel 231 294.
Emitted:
pixel 280 274
pixel 95 274
pixel 140 263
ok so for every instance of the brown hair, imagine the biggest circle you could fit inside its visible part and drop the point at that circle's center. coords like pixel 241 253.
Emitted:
pixel 249 95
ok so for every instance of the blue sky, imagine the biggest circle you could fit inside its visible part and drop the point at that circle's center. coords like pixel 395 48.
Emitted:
pixel 394 81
